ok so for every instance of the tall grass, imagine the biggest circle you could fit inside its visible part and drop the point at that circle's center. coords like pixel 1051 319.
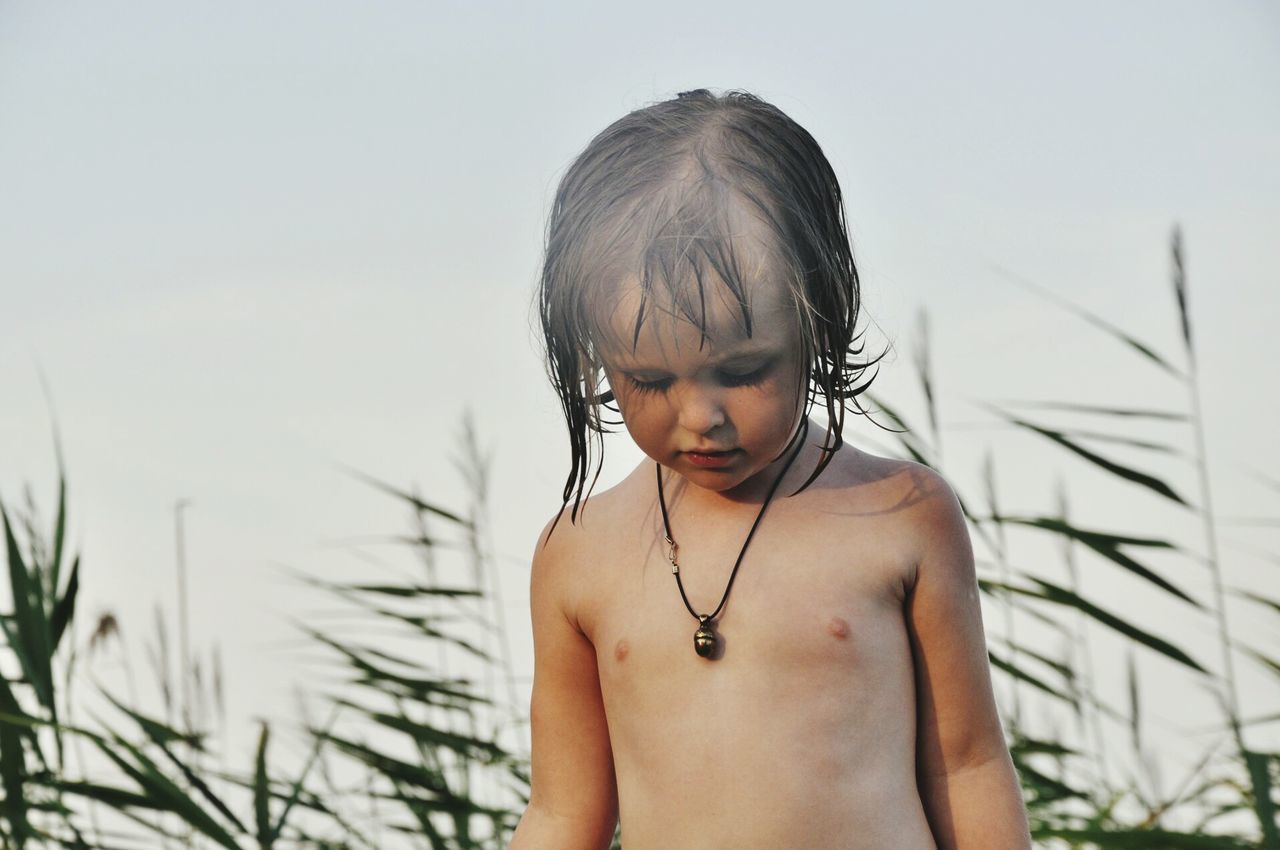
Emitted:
pixel 421 742
pixel 410 753
pixel 1073 797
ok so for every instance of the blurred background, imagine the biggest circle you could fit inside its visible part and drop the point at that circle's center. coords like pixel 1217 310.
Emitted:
pixel 253 247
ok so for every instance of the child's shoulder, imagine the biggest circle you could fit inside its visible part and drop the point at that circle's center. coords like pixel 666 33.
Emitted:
pixel 914 499
pixel 572 544
pixel 599 519
pixel 857 473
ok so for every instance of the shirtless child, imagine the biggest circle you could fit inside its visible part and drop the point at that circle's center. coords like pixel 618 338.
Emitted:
pixel 763 637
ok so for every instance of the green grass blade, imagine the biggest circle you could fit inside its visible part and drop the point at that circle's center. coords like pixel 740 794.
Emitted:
pixel 1260 777
pixel 295 793
pixel 1042 787
pixel 1134 476
pixel 1121 440
pixel 1270 663
pixel 1107 545
pixel 383 680
pixel 424 625
pixel 924 373
pixel 1261 720
pixel 467 746
pixel 262 792
pixel 65 609
pixel 1135 706
pixel 1119 838
pixel 59 531
pixel 162 735
pixel 1258 598
pixel 1061 596
pixel 417 503
pixel 1025 746
pixel 33 648
pixel 409 590
pixel 1180 288
pixel 110 796
pixel 906 436
pixel 1063 670
pixel 397 770
pixel 164 794
pixel 1097 321
pixel 13 767
pixel 1031 679
pixel 1102 410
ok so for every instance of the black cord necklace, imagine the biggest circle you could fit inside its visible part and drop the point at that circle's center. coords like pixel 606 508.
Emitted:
pixel 704 639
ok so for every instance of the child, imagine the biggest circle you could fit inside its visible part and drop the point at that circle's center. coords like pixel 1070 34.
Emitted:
pixel 763 637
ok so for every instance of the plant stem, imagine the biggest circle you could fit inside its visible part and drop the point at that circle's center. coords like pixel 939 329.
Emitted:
pixel 1229 695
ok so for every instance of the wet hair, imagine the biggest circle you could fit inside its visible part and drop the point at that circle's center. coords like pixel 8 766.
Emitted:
pixel 654 198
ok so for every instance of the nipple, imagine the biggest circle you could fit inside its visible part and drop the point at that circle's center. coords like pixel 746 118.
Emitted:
pixel 620 650
pixel 838 627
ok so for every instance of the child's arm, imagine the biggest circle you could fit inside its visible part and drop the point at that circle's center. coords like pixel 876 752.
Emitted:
pixel 966 777
pixel 573 800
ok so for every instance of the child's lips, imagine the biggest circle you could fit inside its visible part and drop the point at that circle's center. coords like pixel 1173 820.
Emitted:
pixel 711 459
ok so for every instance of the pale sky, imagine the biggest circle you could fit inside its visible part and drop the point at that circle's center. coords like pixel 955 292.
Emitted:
pixel 248 243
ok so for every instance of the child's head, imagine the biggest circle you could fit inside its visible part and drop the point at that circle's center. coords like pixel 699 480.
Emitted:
pixel 703 225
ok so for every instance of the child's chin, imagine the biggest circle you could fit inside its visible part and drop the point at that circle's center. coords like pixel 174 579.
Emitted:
pixel 720 480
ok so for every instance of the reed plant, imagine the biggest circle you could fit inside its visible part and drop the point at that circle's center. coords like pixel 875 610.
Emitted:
pixel 423 743
pixel 411 753
pixel 1072 796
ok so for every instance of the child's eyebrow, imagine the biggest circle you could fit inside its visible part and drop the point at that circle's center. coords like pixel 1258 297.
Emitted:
pixel 625 362
pixel 750 352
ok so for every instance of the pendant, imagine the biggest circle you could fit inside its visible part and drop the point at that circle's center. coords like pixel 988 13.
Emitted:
pixel 704 640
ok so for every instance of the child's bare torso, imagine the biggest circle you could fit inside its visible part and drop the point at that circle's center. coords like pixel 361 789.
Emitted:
pixel 802 733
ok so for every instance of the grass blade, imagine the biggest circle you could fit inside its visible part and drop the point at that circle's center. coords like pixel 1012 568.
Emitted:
pixel 1122 412
pixel 1097 321
pixel 1108 546
pixel 1118 838
pixel 33 646
pixel 65 609
pixel 1260 777
pixel 262 792
pixel 417 503
pixel 13 766
pixel 1031 679
pixel 1180 287
pixel 163 793
pixel 906 437
pixel 1132 475
pixel 1261 600
pixel 1061 596
pixel 1135 707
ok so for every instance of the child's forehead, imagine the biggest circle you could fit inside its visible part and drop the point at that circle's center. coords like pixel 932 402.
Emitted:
pixel 705 261
pixel 715 322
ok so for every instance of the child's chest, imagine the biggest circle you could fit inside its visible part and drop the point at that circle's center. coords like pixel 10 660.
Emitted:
pixel 817 598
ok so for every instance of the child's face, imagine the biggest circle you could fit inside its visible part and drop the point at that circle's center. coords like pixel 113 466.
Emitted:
pixel 721 414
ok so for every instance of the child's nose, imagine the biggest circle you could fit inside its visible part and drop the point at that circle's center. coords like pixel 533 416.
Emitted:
pixel 701 410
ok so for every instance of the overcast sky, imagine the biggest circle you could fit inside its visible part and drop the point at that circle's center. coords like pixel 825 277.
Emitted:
pixel 249 243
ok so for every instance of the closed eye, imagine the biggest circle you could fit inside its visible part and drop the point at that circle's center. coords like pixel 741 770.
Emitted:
pixel 745 379
pixel 654 386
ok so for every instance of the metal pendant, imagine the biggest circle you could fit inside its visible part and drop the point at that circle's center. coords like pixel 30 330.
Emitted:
pixel 704 640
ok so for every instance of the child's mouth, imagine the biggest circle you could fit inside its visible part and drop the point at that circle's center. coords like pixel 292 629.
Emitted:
pixel 711 460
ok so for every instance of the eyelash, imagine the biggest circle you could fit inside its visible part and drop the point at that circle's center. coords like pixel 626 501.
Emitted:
pixel 727 378
pixel 747 379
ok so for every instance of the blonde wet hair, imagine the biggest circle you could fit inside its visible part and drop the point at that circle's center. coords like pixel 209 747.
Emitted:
pixel 659 197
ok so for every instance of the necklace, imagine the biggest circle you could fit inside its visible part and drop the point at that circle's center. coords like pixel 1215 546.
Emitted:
pixel 705 641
